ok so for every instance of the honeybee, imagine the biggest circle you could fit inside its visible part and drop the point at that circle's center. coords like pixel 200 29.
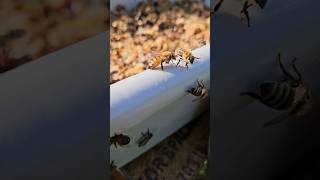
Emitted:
pixel 163 57
pixel 200 91
pixel 290 94
pixel 119 139
pixel 244 10
pixel 186 56
pixel 144 139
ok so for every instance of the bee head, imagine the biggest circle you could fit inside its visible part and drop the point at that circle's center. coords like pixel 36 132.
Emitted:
pixel 192 60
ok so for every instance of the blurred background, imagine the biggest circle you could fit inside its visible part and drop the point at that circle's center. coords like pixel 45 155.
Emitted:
pixel 34 28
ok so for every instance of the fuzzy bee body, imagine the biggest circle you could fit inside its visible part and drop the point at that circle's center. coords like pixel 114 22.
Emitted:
pixel 144 139
pixel 119 139
pixel 291 95
pixel 164 57
pixel 186 56
pixel 200 91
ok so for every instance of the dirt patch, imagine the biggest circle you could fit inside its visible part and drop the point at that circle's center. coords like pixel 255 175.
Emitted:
pixel 31 29
pixel 180 156
pixel 154 26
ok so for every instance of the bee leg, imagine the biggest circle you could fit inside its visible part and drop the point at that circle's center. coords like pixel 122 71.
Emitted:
pixel 162 66
pixel 178 61
pixel 285 72
pixel 217 6
pixel 245 12
pixel 296 69
pixel 187 65
pixel 202 85
pixel 242 15
pixel 198 83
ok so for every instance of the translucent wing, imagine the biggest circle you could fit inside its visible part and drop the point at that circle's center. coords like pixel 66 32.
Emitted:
pixel 180 51
pixel 148 57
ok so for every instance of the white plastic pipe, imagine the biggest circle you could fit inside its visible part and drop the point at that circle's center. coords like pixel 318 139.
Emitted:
pixel 156 100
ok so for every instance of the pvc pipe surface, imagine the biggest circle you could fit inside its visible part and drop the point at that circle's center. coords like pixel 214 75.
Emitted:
pixel 156 100
pixel 138 97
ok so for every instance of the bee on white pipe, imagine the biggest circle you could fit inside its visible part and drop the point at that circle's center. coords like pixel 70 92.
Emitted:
pixel 119 139
pixel 200 91
pixel 160 58
pixel 244 11
pixel 144 139
pixel 186 56
pixel 290 94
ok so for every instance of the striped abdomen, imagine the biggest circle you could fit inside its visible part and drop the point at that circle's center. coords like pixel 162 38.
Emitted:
pixel 279 96
pixel 196 91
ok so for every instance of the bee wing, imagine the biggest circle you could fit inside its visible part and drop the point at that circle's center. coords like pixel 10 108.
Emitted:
pixel 148 57
pixel 151 54
pixel 140 140
pixel 179 51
